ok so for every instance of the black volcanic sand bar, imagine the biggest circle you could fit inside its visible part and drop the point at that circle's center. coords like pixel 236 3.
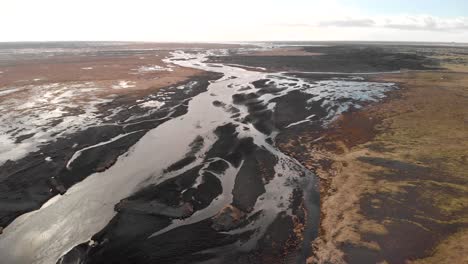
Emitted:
pixel 28 183
pixel 130 236
pixel 127 238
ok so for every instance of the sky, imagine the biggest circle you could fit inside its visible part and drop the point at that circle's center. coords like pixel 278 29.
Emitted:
pixel 234 20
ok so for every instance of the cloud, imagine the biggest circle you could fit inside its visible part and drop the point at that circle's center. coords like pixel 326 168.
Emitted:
pixel 418 22
pixel 427 23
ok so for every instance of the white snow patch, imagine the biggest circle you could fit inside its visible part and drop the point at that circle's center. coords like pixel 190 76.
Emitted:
pixel 339 96
pixel 153 68
pixel 9 91
pixel 152 104
pixel 44 113
pixel 124 85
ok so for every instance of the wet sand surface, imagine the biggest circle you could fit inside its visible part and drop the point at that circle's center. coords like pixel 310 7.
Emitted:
pixel 183 156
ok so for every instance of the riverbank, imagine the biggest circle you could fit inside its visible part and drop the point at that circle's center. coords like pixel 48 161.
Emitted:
pixel 394 175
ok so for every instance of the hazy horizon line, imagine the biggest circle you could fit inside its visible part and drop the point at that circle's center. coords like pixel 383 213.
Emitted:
pixel 231 42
